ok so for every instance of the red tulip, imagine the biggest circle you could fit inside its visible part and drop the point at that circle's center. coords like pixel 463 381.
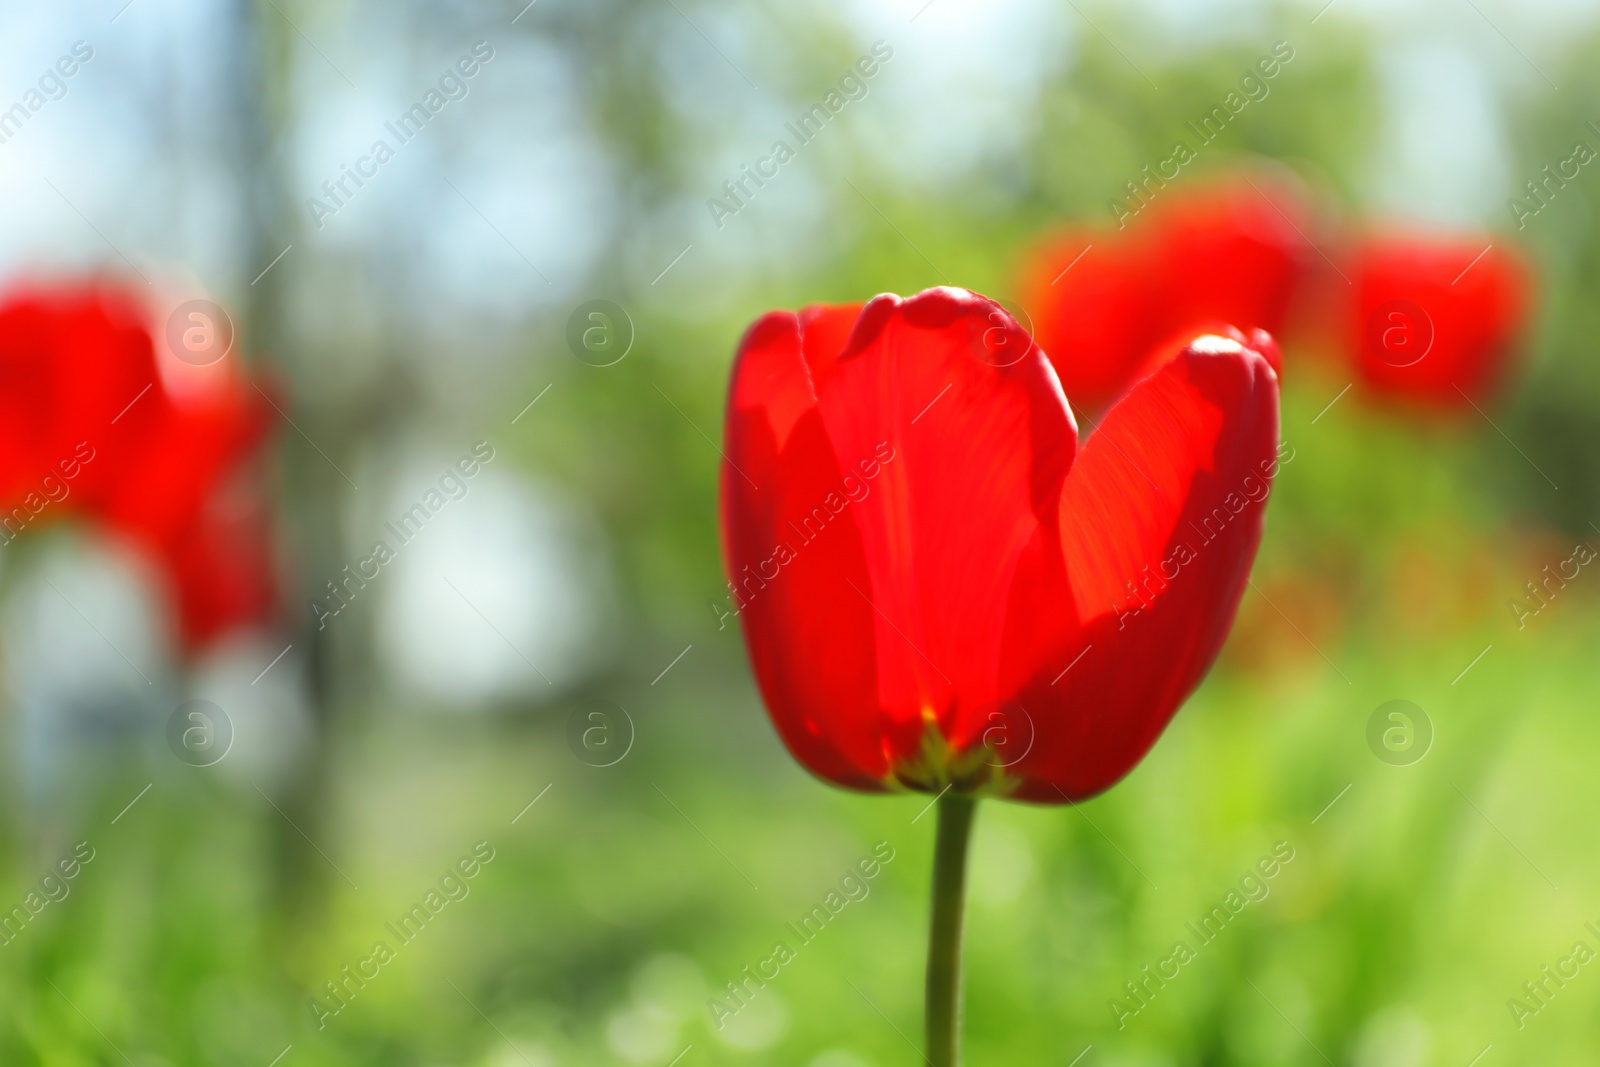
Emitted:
pixel 71 363
pixel 220 565
pixel 1435 320
pixel 1096 313
pixel 92 424
pixel 939 586
pixel 1232 252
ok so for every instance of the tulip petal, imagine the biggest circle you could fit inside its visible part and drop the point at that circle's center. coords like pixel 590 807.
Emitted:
pixel 812 649
pixel 957 437
pixel 1160 519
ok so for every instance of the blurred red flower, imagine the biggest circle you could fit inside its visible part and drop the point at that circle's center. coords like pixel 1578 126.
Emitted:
pixel 92 425
pixel 1231 252
pixel 938 585
pixel 1434 320
pixel 220 565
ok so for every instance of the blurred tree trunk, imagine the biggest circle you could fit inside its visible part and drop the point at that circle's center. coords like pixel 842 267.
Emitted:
pixel 308 491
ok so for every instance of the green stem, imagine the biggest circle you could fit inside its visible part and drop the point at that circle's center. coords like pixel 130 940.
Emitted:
pixel 944 930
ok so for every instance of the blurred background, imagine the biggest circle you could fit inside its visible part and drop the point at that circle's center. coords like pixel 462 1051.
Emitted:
pixel 545 675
